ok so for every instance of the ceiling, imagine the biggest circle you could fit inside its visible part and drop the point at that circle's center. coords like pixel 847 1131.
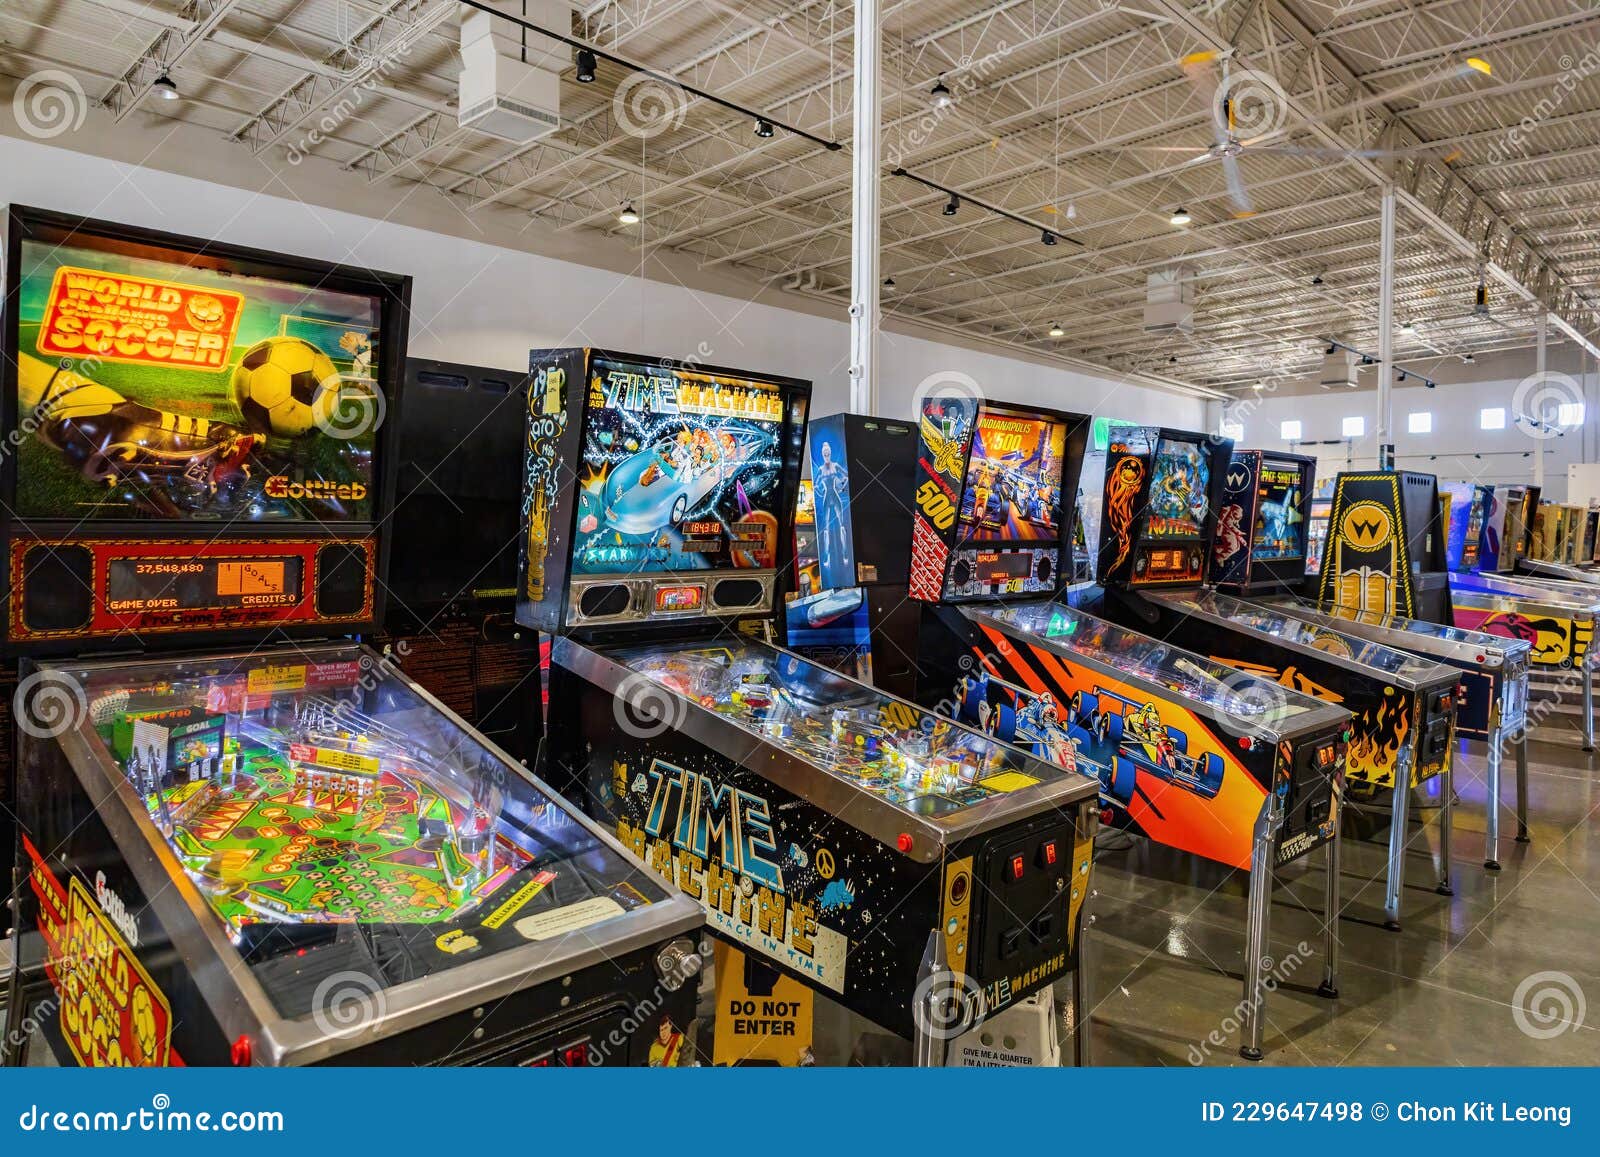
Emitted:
pixel 1074 116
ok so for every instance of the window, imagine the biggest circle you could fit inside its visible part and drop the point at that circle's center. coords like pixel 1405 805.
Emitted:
pixel 1494 418
pixel 1355 427
pixel 1569 414
pixel 1420 422
pixel 1290 431
pixel 1234 430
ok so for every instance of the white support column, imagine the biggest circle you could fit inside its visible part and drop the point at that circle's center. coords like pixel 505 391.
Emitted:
pixel 1540 443
pixel 864 282
pixel 1386 333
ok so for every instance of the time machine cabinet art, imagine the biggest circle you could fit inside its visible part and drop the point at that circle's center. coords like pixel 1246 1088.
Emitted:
pixel 655 493
pixel 856 842
pixel 249 859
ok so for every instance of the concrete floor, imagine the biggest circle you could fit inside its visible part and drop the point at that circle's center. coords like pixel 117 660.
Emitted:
pixel 1169 942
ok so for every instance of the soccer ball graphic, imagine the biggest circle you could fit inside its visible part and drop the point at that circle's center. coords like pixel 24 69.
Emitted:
pixel 284 386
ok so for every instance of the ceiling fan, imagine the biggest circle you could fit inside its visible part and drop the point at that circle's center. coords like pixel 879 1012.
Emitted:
pixel 1209 73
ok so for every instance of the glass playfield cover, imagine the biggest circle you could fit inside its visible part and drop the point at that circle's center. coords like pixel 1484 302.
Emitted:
pixel 335 819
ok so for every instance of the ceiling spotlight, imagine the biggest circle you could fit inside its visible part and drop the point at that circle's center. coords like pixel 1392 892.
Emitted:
pixel 586 66
pixel 1258 385
pixel 941 95
pixel 888 283
pixel 1173 360
pixel 1332 349
pixel 1468 359
pixel 1047 237
pixel 1180 216
pixel 1365 360
pixel 763 128
pixel 629 215
pixel 1317 280
pixel 1402 375
pixel 952 206
pixel 1407 326
pixel 1056 330
pixel 163 87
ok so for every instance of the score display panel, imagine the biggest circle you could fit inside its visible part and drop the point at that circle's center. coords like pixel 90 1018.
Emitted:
pixel 990 518
pixel 655 490
pixel 202 436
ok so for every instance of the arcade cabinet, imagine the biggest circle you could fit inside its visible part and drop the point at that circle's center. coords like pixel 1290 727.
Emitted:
pixel 1508 529
pixel 847 837
pixel 1469 507
pixel 450 618
pixel 257 841
pixel 1386 546
pixel 1187 753
pixel 1262 524
pixel 862 473
pixel 1163 488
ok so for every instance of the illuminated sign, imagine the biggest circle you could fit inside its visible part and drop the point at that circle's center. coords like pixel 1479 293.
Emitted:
pixel 127 318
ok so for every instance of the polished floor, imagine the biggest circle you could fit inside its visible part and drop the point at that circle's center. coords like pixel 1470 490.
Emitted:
pixel 1504 972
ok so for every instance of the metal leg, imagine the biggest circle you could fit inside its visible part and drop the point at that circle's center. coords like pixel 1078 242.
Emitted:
pixel 1588 705
pixel 1253 1023
pixel 1330 932
pixel 1447 781
pixel 1080 996
pixel 1397 844
pixel 1522 786
pixel 934 1015
pixel 1491 850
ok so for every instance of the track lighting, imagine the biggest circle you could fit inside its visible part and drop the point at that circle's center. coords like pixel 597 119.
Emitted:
pixel 629 215
pixel 940 95
pixel 1402 375
pixel 1047 237
pixel 952 206
pixel 164 88
pixel 763 128
pixel 888 283
pixel 586 66
pixel 1468 360
pixel 1332 349
pixel 1056 330
pixel 1180 216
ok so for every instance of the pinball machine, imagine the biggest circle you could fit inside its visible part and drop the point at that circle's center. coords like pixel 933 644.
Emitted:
pixel 1556 617
pixel 1267 566
pixel 1187 753
pixel 918 873
pixel 862 472
pixel 248 838
pixel 1163 494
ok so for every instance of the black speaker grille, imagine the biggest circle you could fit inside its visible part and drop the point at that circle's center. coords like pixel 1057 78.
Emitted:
pixel 604 602
pixel 57 588
pixel 341 579
pixel 738 593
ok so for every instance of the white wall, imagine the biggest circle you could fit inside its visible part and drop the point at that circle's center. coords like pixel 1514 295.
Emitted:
pixel 488 305
pixel 1457 449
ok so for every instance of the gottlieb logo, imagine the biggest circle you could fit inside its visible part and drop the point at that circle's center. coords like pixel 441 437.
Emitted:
pixel 1366 526
pixel 280 487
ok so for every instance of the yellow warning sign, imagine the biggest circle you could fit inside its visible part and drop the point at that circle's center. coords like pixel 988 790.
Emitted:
pixel 763 1015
